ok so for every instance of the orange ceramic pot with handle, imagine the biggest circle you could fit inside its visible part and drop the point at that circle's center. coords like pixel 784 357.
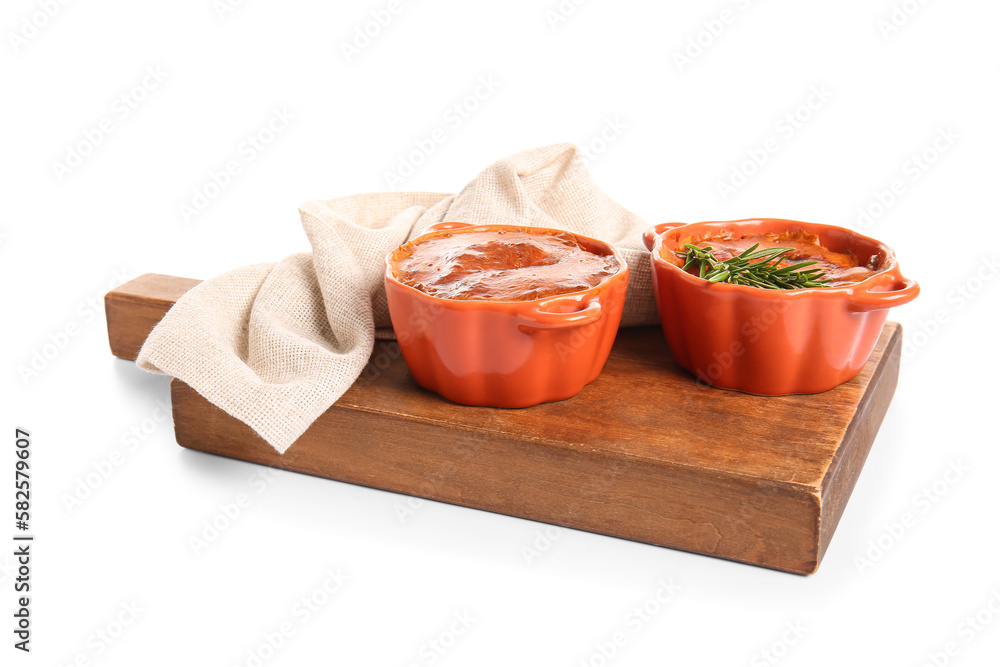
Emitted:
pixel 508 354
pixel 765 341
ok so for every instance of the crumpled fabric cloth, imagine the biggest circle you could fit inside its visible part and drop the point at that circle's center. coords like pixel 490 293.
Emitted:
pixel 276 344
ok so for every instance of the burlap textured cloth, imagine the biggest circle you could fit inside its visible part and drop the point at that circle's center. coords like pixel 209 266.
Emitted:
pixel 275 345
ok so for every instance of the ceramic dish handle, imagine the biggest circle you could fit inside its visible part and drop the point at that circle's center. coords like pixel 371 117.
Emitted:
pixel 438 226
pixel 541 316
pixel 649 236
pixel 872 299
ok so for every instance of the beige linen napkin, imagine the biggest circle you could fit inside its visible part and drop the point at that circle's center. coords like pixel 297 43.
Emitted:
pixel 275 345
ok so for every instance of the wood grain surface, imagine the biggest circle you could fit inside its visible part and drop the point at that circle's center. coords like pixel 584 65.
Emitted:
pixel 644 452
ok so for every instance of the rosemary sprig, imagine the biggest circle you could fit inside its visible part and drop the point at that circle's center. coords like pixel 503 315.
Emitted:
pixel 754 268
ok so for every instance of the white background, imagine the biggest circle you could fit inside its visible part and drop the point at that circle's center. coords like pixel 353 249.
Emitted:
pixel 681 130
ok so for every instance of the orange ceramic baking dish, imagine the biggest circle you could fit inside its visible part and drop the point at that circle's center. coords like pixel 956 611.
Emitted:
pixel 765 341
pixel 509 354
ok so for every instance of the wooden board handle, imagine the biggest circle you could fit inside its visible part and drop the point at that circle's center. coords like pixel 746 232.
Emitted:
pixel 134 308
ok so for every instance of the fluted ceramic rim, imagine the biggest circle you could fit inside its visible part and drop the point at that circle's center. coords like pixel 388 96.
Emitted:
pixel 891 264
pixel 484 303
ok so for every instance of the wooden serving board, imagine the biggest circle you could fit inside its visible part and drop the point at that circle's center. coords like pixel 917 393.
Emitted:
pixel 644 452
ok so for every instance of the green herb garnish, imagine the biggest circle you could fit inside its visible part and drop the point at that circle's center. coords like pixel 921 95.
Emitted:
pixel 752 267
